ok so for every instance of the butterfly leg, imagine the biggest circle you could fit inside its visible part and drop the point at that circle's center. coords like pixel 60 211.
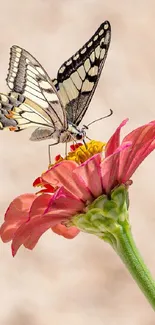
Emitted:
pixel 85 144
pixel 66 150
pixel 49 150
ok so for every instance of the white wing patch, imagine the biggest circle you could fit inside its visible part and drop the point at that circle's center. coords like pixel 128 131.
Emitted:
pixel 76 80
pixel 72 92
pixel 81 72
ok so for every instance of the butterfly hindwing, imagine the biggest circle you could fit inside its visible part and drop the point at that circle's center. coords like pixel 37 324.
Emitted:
pixel 5 108
pixel 27 77
pixel 18 113
pixel 77 78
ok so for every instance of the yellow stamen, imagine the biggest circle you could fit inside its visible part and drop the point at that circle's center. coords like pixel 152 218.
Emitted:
pixel 82 153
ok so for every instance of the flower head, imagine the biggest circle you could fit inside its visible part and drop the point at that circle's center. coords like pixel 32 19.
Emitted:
pixel 70 186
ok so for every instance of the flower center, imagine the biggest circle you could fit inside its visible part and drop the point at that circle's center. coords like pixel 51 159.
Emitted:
pixel 80 153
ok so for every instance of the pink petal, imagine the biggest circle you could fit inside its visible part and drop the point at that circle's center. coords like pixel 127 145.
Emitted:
pixel 16 215
pixel 19 206
pixel 29 233
pixel 62 175
pixel 65 201
pixel 110 168
pixel 40 205
pixel 90 173
pixel 62 206
pixel 114 141
pixel 66 232
pixel 142 144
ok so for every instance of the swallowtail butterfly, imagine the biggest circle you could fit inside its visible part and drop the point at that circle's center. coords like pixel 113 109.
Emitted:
pixel 55 107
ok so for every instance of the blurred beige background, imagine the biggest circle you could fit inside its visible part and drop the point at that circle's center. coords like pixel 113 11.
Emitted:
pixel 79 282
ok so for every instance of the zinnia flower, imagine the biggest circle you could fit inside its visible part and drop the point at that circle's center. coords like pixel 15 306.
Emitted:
pixel 70 186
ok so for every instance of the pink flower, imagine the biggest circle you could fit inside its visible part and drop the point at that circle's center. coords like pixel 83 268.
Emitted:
pixel 68 187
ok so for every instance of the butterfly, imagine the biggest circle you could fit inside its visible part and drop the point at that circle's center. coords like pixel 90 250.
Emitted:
pixel 56 107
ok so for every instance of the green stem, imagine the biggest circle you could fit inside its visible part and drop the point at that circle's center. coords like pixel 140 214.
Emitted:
pixel 130 256
pixel 108 219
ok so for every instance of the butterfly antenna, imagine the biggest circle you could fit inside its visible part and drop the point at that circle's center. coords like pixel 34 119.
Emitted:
pixel 101 118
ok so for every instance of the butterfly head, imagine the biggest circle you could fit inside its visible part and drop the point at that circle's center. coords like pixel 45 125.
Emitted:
pixel 76 133
pixel 81 135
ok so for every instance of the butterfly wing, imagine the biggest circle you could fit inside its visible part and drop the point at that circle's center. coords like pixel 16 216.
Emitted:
pixel 78 77
pixel 27 77
pixel 18 113
pixel 5 107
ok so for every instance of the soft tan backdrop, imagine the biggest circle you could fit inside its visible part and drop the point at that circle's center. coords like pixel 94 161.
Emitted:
pixel 79 282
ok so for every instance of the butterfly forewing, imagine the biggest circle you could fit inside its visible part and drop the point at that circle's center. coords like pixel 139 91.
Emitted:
pixel 27 77
pixel 77 78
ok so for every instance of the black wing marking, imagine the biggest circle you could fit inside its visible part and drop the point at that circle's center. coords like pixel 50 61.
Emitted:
pixel 78 77
pixel 27 77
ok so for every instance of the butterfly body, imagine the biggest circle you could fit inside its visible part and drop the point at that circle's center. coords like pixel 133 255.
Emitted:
pixel 72 133
pixel 56 107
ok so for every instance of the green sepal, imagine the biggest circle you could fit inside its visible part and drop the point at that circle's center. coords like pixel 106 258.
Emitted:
pixel 105 215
